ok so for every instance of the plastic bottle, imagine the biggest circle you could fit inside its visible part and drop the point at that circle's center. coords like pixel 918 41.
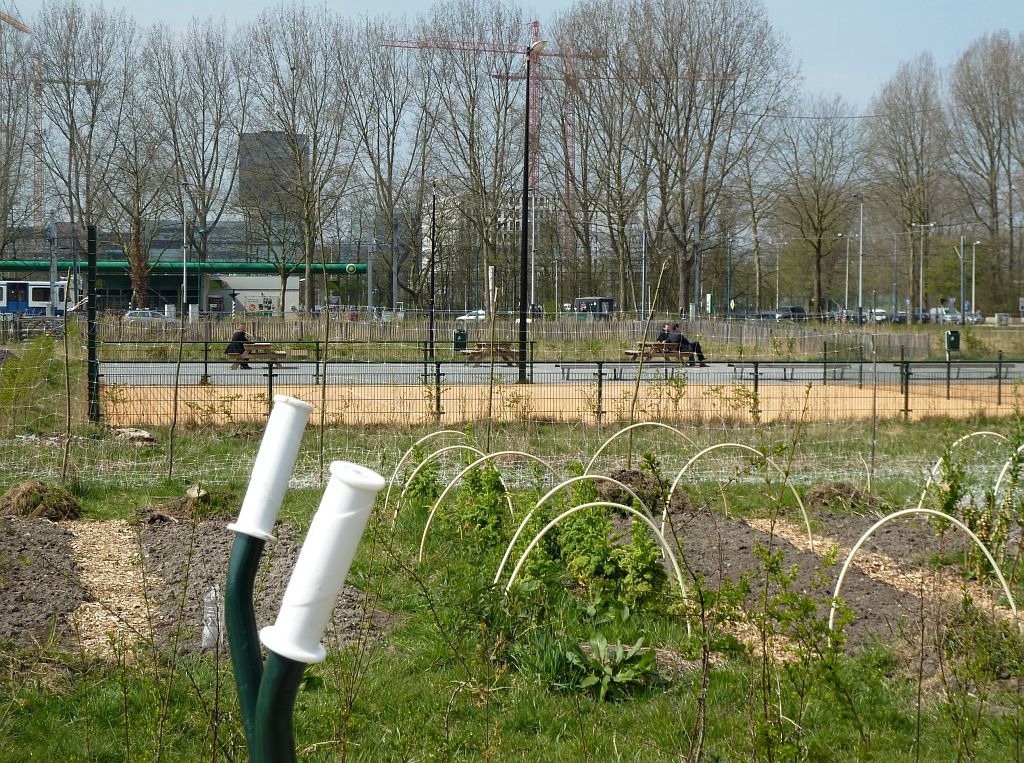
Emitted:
pixel 211 618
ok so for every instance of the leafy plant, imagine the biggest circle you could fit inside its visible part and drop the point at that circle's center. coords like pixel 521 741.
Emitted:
pixel 613 671
pixel 425 487
pixel 482 509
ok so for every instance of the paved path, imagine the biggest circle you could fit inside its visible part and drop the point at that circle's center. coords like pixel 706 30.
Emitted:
pixel 306 372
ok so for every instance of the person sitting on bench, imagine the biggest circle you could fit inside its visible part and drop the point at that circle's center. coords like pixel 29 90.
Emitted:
pixel 236 347
pixel 692 349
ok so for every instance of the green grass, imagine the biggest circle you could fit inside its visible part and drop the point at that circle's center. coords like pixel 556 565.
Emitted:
pixel 458 675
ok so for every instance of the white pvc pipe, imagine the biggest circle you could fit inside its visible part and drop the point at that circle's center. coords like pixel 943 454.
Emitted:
pixel 932 513
pixel 273 467
pixel 323 563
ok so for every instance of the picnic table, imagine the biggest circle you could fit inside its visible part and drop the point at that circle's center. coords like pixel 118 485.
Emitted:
pixel 258 351
pixel 506 351
pixel 666 350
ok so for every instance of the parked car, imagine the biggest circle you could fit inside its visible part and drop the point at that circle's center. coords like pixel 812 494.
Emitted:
pixel 148 317
pixel 473 315
pixel 944 315
pixel 974 318
pixel 878 315
pixel 791 313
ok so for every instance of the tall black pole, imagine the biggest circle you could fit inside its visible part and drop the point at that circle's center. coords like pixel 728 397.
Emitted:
pixel 433 251
pixel 90 320
pixel 524 239
pixel 963 262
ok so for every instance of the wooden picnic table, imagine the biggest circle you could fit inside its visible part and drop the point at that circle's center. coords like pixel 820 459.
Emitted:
pixel 666 350
pixel 258 351
pixel 506 351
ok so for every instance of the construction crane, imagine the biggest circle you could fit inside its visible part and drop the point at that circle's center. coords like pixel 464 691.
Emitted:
pixel 491 47
pixel 11 21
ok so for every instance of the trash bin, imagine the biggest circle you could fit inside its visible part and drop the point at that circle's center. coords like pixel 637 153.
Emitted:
pixel 1002 319
pixel 952 341
pixel 460 339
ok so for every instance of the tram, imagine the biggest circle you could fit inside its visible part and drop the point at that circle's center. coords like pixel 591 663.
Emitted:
pixel 31 297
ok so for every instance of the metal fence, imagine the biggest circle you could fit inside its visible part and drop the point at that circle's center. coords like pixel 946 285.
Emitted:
pixel 401 384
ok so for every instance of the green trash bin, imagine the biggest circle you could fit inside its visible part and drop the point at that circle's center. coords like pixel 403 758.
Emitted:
pixel 952 341
pixel 460 339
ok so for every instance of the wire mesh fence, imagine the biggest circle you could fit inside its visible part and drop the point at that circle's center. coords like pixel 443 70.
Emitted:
pixel 384 381
pixel 350 388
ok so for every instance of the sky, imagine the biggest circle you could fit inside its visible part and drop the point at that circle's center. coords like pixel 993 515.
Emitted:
pixel 843 48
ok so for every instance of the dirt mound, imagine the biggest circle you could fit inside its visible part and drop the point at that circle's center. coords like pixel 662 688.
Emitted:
pixel 650 489
pixel 37 500
pixel 39 583
pixel 842 496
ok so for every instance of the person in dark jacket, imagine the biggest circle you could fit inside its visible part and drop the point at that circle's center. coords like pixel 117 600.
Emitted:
pixel 693 349
pixel 663 334
pixel 236 346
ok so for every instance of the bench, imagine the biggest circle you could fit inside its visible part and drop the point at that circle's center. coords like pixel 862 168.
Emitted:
pixel 668 351
pixel 506 351
pixel 962 370
pixel 994 369
pixel 258 351
pixel 618 372
pixel 789 370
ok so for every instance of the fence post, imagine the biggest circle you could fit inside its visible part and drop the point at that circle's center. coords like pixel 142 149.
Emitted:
pixel 437 391
pixel 316 361
pixel 824 363
pixel 905 373
pixel 902 360
pixel 948 369
pixel 205 378
pixel 999 378
pixel 860 364
pixel 600 393
pixel 90 312
pixel 270 387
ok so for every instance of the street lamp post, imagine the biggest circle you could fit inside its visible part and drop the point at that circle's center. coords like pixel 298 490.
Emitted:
pixel 846 290
pixel 860 263
pixel 524 242
pixel 974 262
pixel 963 263
pixel 184 256
pixel 895 295
pixel 728 279
pixel 778 262
pixel 433 258
pixel 925 227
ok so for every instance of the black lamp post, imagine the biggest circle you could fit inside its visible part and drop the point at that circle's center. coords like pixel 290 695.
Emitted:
pixel 535 47
pixel 433 251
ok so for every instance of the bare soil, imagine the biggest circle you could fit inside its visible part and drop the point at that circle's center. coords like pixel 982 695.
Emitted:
pixel 45 575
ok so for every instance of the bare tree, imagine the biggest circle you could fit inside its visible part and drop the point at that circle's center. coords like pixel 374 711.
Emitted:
pixel 81 74
pixel 296 59
pixel 203 103
pixel 385 97
pixel 476 116
pixel 907 150
pixel 986 114
pixel 141 170
pixel 708 70
pixel 16 208
pixel 817 164
pixel 601 160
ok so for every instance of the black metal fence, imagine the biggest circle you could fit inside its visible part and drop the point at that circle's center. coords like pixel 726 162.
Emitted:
pixel 401 384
